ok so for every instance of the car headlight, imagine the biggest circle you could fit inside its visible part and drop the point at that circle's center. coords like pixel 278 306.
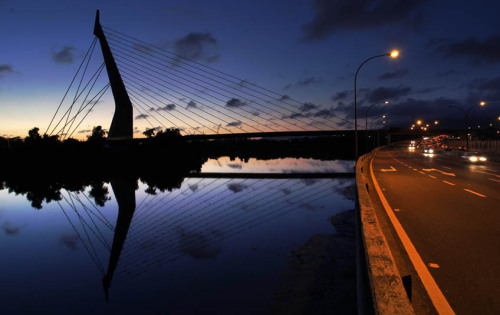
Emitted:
pixel 431 151
pixel 473 158
pixel 482 159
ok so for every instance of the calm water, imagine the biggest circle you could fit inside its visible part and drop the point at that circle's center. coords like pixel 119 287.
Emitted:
pixel 212 245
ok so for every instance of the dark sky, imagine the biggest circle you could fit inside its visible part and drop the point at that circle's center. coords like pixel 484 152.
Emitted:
pixel 308 50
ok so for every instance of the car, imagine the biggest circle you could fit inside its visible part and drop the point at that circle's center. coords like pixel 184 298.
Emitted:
pixel 474 157
pixel 428 150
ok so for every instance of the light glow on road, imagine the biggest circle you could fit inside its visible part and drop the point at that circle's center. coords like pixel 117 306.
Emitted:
pixel 475 193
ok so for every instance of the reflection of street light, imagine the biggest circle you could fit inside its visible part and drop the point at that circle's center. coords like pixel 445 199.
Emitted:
pixel 466 114
pixel 392 54
pixel 366 122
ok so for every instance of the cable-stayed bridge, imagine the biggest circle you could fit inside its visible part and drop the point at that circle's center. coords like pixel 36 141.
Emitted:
pixel 162 90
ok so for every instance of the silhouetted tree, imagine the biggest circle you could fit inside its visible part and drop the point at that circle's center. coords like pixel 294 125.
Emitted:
pixel 100 193
pixel 149 133
pixel 33 136
pixel 98 135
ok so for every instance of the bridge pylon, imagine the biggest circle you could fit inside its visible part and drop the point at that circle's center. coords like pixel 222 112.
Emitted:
pixel 122 123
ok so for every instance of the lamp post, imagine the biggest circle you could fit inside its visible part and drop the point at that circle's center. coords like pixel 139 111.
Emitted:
pixel 392 54
pixel 466 115
pixel 366 122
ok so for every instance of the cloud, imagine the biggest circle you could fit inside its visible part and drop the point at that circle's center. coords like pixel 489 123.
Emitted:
pixel 197 47
pixel 141 116
pixel 236 187
pixel 5 69
pixel 84 131
pixel 308 107
pixel 70 241
pixel 196 245
pixel 143 48
pixel 234 124
pixel 342 95
pixel 284 98
pixel 384 93
pixel 392 75
pixel 235 102
pixel 477 51
pixel 167 107
pixel 65 55
pixel 334 15
pixel 11 230
pixel 193 187
pixel 303 83
pixel 488 85
pixel 192 104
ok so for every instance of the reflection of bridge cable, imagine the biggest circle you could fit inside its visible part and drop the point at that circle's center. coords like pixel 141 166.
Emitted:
pixel 172 215
pixel 299 199
pixel 187 213
pixel 152 211
pixel 205 69
pixel 102 218
pixel 120 55
pixel 85 225
pixel 94 259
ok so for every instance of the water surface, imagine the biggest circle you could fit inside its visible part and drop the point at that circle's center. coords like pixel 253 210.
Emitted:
pixel 211 245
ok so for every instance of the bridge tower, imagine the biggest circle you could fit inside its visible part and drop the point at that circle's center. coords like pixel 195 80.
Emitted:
pixel 122 123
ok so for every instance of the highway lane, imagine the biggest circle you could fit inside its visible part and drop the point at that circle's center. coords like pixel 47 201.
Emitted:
pixel 450 210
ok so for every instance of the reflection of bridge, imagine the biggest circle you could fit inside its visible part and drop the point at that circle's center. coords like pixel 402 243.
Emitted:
pixel 189 221
pixel 165 91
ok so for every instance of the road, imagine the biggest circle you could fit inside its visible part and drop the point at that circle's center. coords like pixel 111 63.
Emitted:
pixel 450 211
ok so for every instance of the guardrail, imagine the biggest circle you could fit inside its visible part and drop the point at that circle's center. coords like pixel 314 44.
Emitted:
pixel 386 287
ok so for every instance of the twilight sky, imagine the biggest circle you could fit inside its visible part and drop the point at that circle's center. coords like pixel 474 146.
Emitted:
pixel 305 50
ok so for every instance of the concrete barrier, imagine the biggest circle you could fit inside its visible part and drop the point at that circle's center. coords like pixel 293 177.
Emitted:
pixel 387 291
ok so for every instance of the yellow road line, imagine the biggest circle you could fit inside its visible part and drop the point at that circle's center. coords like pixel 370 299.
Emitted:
pixel 438 300
pixel 475 193
pixel 448 183
pixel 487 173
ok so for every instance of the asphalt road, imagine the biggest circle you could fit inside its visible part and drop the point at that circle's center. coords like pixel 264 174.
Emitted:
pixel 450 210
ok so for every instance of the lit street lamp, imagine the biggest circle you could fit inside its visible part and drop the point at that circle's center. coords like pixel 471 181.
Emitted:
pixel 392 54
pixel 466 115
pixel 366 122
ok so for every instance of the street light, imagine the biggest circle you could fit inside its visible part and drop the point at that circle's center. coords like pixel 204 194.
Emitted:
pixel 466 115
pixel 392 54
pixel 366 122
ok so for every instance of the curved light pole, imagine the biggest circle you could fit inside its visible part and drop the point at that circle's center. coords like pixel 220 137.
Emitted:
pixel 466 115
pixel 366 122
pixel 392 54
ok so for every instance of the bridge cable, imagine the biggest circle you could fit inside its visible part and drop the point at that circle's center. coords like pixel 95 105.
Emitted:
pixel 71 84
pixel 226 74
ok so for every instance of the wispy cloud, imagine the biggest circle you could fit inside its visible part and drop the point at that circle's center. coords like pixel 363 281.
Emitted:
pixel 64 55
pixel 476 50
pixel 334 15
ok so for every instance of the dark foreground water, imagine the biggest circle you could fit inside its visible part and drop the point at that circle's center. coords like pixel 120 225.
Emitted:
pixel 209 246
